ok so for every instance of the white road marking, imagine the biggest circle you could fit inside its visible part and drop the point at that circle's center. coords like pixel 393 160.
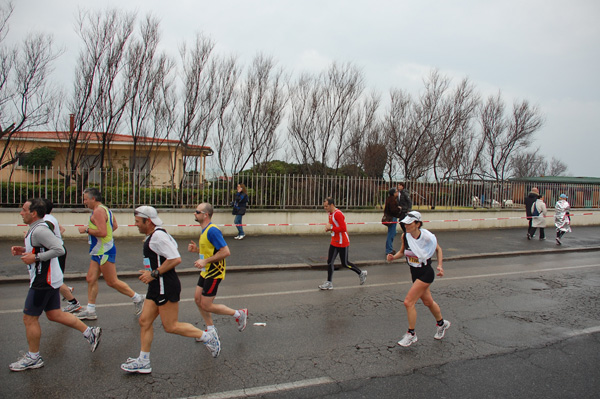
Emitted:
pixel 337 288
pixel 244 393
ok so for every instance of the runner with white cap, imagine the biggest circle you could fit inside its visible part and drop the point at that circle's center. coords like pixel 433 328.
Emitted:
pixel 161 256
pixel 418 246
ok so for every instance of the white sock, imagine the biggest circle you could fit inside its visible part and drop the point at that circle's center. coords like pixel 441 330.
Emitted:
pixel 210 328
pixel 137 297
pixel 236 314
pixel 91 307
pixel 87 332
pixel 144 356
pixel 33 355
pixel 204 337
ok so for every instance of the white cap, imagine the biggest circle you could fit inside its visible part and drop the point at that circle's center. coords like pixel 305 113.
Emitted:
pixel 148 212
pixel 412 216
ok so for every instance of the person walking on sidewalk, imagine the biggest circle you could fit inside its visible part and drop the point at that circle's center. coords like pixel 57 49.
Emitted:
pixel 240 202
pixel 58 231
pixel 212 251
pixel 40 254
pixel 562 218
pixel 533 196
pixel 418 246
pixel 164 288
pixel 539 220
pixel 339 244
pixel 100 230
pixel 404 203
pixel 392 213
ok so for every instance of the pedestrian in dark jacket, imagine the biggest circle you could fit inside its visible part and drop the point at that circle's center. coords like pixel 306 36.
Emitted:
pixel 392 210
pixel 404 203
pixel 533 196
pixel 240 202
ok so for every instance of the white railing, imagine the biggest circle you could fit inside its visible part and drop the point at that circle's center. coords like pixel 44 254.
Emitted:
pixel 123 188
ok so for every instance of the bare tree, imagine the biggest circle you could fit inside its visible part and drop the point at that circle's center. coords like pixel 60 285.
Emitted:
pixel 556 167
pixel 366 147
pixel 226 138
pixel 506 134
pixel 147 74
pixel 199 107
pixel 532 164
pixel 406 138
pixel 99 98
pixel 306 102
pixel 27 97
pixel 451 134
pixel 259 110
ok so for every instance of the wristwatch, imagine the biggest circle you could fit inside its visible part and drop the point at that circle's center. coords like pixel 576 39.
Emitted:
pixel 155 274
pixel 37 257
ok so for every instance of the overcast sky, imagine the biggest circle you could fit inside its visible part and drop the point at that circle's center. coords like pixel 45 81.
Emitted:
pixel 544 51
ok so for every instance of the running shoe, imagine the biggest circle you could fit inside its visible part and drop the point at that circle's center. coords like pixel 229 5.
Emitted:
pixel 86 315
pixel 213 344
pixel 26 362
pixel 327 285
pixel 241 237
pixel 94 338
pixel 558 241
pixel 441 330
pixel 408 339
pixel 241 321
pixel 363 277
pixel 528 236
pixel 136 366
pixel 139 306
pixel 236 237
pixel 72 308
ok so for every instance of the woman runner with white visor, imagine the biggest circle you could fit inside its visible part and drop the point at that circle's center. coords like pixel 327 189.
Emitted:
pixel 418 246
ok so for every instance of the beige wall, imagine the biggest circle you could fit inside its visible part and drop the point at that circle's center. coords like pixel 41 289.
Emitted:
pixel 438 220
pixel 119 155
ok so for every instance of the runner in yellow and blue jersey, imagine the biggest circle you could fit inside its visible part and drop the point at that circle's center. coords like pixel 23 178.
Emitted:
pixel 100 230
pixel 212 251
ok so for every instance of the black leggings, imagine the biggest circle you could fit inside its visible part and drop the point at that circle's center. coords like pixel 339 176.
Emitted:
pixel 333 252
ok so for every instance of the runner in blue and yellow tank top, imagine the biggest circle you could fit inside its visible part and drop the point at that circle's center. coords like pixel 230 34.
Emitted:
pixel 100 230
pixel 212 251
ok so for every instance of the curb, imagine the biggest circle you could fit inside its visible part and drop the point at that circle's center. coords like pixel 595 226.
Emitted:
pixel 299 266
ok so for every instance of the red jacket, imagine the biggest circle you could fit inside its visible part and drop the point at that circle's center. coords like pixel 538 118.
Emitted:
pixel 339 235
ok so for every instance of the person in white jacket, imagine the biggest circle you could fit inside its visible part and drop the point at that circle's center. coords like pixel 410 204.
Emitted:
pixel 540 220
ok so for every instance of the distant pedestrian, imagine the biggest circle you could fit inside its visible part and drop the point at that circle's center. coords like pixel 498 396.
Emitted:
pixel 418 246
pixel 404 203
pixel 239 204
pixel 339 245
pixel 40 254
pixel 58 230
pixel 533 195
pixel 538 218
pixel 100 230
pixel 562 218
pixel 161 256
pixel 212 251
pixel 391 212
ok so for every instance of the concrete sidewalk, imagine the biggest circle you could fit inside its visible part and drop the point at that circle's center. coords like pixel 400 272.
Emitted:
pixel 256 253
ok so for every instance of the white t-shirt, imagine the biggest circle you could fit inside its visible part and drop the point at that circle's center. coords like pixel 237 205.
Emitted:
pixel 164 245
pixel 423 248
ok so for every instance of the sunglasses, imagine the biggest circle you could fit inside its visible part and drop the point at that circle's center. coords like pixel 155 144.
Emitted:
pixel 199 212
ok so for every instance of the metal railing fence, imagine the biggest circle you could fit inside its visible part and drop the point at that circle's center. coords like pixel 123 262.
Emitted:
pixel 123 188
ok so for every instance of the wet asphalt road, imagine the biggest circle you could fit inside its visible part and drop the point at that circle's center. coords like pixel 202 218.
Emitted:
pixel 522 326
